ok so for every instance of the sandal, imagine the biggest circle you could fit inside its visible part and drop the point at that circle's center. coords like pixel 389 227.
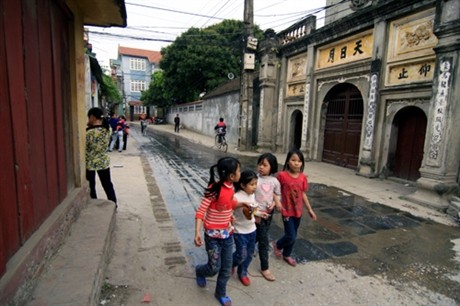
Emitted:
pixel 290 261
pixel 268 275
pixel 201 281
pixel 276 250
pixel 224 300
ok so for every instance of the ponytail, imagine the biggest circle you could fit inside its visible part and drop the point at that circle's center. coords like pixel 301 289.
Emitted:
pixel 225 166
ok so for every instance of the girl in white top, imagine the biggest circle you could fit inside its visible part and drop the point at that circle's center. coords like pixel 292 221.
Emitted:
pixel 267 197
pixel 244 224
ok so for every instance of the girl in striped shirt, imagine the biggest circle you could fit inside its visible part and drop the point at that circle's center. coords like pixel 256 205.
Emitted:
pixel 215 214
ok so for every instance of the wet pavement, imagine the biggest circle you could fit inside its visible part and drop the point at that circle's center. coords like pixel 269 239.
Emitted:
pixel 369 238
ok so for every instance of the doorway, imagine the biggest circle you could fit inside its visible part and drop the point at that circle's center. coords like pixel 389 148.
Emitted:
pixel 342 132
pixel 410 123
pixel 296 130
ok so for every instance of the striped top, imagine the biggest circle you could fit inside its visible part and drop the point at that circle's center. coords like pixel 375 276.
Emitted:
pixel 217 213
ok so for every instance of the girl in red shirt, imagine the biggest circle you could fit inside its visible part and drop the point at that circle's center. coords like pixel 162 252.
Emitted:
pixel 294 185
pixel 215 214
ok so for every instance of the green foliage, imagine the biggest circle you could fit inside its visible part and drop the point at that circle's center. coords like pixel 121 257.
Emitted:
pixel 200 59
pixel 156 94
pixel 109 90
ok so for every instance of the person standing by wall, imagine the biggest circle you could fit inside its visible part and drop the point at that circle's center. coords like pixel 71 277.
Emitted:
pixel 177 123
pixel 97 159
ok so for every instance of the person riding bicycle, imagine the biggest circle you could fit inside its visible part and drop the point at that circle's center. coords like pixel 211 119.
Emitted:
pixel 221 129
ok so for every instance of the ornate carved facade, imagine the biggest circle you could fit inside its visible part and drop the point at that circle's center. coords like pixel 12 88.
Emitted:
pixel 373 91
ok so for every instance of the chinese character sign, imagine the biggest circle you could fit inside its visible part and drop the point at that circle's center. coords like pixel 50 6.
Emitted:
pixel 350 50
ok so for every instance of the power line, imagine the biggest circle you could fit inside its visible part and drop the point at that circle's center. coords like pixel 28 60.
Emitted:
pixel 130 37
pixel 174 11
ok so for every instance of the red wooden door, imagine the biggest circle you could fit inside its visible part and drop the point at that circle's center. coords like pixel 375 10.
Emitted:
pixel 342 133
pixel 411 139
pixel 10 239
pixel 34 108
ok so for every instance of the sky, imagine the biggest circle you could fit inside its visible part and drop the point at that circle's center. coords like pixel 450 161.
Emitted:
pixel 153 24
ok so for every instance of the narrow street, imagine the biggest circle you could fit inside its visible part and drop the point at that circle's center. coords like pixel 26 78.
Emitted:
pixel 366 253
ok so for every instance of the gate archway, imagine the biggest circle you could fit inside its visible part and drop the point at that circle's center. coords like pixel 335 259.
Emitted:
pixel 342 131
pixel 410 123
pixel 296 129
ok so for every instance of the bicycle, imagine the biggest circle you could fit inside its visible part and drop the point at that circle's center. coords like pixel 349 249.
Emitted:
pixel 221 142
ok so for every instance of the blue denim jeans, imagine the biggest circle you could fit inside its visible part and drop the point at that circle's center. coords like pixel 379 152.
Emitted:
pixel 114 137
pixel 242 257
pixel 219 261
pixel 286 243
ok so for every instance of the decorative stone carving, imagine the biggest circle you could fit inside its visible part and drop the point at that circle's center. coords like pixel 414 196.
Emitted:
pixel 412 37
pixel 417 37
pixel 359 4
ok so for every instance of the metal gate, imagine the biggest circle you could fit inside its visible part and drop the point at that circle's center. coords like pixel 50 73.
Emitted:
pixel 342 133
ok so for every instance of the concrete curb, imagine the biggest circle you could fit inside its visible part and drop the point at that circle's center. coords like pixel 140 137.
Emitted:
pixel 75 274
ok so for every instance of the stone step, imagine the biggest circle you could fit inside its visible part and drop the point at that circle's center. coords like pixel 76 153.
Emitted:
pixel 74 275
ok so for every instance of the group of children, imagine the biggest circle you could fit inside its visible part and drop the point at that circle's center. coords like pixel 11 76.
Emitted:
pixel 237 209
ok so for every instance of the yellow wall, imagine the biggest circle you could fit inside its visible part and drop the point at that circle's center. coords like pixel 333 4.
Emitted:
pixel 78 104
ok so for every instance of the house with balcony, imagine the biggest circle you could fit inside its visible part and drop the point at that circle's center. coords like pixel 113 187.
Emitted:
pixel 136 69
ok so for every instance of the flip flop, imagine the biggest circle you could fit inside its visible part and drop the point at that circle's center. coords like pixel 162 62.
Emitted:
pixel 268 275
pixel 290 261
pixel 276 250
pixel 224 300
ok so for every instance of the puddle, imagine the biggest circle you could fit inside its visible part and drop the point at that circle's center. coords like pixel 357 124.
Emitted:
pixel 368 237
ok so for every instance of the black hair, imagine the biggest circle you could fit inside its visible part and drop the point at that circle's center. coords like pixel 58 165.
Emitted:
pixel 289 155
pixel 225 166
pixel 221 119
pixel 247 176
pixel 98 113
pixel 271 159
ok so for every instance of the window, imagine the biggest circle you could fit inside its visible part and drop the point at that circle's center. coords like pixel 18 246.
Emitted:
pixel 137 64
pixel 137 85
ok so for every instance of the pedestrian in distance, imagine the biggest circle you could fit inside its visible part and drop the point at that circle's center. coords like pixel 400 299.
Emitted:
pixel 215 214
pixel 244 224
pixel 177 123
pixel 125 132
pixel 120 129
pixel 144 123
pixel 113 127
pixel 294 185
pixel 97 159
pixel 267 198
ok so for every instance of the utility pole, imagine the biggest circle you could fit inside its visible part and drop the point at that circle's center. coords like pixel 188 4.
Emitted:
pixel 247 70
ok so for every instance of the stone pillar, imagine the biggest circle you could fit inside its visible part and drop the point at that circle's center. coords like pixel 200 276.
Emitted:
pixel 309 106
pixel 367 161
pixel 439 171
pixel 280 104
pixel 268 99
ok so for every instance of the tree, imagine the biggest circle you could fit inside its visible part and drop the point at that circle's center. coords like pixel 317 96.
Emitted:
pixel 156 94
pixel 201 59
pixel 110 91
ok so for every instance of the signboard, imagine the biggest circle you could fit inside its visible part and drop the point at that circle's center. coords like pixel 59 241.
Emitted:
pixel 349 50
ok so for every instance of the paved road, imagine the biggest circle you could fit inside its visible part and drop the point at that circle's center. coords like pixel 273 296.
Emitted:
pixel 364 252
